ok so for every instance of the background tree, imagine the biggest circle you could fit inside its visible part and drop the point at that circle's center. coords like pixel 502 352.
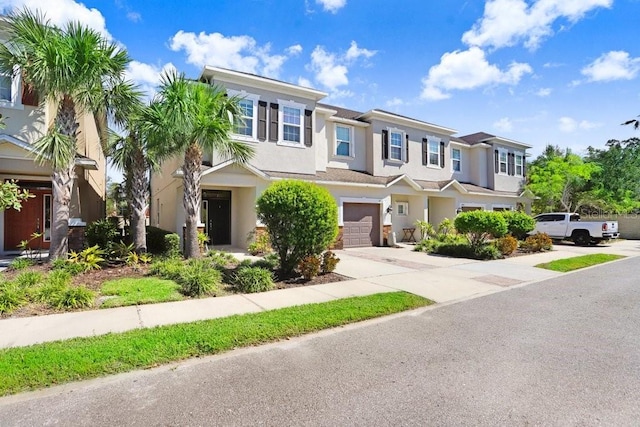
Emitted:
pixel 75 69
pixel 190 117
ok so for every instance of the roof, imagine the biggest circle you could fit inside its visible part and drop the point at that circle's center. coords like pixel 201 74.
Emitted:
pixel 483 137
pixel 336 175
pixel 342 113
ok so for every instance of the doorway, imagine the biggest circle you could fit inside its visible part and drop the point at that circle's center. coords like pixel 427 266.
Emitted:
pixel 33 217
pixel 216 216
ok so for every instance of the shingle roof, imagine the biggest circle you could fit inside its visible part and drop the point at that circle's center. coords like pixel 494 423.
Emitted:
pixel 343 113
pixel 476 138
pixel 336 175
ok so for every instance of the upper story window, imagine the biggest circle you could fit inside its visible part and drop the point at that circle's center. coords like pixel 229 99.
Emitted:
pixel 434 153
pixel 519 162
pixel 5 88
pixel 395 145
pixel 10 94
pixel 502 162
pixel 292 119
pixel 344 141
pixel 245 126
pixel 456 160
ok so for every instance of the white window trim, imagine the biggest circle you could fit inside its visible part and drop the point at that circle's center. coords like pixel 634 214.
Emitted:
pixel 44 216
pixel 502 206
pixel 405 206
pixel 292 104
pixel 515 164
pixel 16 92
pixel 453 170
pixel 502 151
pixel 254 130
pixel 351 142
pixel 403 149
pixel 429 152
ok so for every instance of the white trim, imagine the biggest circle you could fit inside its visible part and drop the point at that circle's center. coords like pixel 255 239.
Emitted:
pixel 384 203
pixel 473 205
pixel 515 163
pixel 351 154
pixel 503 206
pixel 393 118
pixel 244 96
pixel 215 168
pixel 403 141
pixel 405 205
pixel 44 216
pixel 437 141
pixel 454 159
pixel 502 151
pixel 296 105
pixel 16 91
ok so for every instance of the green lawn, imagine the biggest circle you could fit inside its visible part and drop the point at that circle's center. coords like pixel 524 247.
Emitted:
pixel 575 263
pixel 43 365
pixel 147 290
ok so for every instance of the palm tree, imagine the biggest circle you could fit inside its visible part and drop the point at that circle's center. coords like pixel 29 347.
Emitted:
pixel 190 117
pixel 76 70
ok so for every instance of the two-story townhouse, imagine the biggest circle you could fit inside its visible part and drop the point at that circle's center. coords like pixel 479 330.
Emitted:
pixel 385 170
pixel 27 121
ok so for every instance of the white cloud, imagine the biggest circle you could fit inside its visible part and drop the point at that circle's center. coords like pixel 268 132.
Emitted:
pixel 468 69
pixel 508 22
pixel 395 102
pixel 294 50
pixel 59 12
pixel 543 92
pixel 331 69
pixel 304 82
pixel 504 125
pixel 147 76
pixel 587 125
pixel 569 125
pixel 614 65
pixel 332 5
pixel 134 16
pixel 240 53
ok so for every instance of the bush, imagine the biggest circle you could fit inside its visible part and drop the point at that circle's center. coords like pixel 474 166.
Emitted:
pixel 221 259
pixel 465 250
pixel 269 262
pixel 480 225
pixel 259 243
pixel 487 252
pixel 172 245
pixel 198 278
pixel 426 229
pixel 89 259
pixel 506 245
pixel 309 267
pixel 329 262
pixel 156 243
pixel 167 269
pixel 28 279
pixel 253 279
pixel 537 243
pixel 21 263
pixel 430 245
pixel 301 218
pixel 519 223
pixel 101 233
pixel 446 227
pixel 64 265
pixel 73 297
pixel 50 292
pixel 11 297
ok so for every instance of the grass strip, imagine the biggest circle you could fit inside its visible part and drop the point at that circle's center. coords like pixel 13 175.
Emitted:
pixel 43 365
pixel 569 264
pixel 146 290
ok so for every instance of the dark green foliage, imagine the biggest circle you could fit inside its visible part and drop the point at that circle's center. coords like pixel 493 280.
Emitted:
pixel 70 267
pixel 101 233
pixel 12 296
pixel 465 250
pixel 537 243
pixel 269 262
pixel 329 262
pixel 309 267
pixel 253 279
pixel 301 218
pixel 430 245
pixel 21 263
pixel 519 223
pixel 198 278
pixel 28 279
pixel 156 243
pixel 167 269
pixel 172 246
pixel 57 282
pixel 221 259
pixel 506 245
pixel 479 226
pixel 73 297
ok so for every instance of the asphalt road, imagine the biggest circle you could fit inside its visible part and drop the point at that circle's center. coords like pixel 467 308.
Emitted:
pixel 561 352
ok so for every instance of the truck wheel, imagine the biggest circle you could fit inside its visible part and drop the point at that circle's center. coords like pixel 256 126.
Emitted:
pixel 581 238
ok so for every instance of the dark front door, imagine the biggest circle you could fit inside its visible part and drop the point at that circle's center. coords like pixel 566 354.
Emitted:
pixel 218 226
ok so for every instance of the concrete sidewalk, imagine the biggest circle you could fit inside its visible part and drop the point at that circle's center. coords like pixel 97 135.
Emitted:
pixel 374 270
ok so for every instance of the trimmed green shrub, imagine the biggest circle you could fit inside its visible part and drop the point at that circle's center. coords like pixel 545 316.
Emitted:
pixel 156 243
pixel 519 223
pixel 310 267
pixel 73 297
pixel 170 268
pixel 301 218
pixel 172 246
pixel 198 278
pixel 329 262
pixel 486 252
pixel 11 297
pixel 101 233
pixel 506 245
pixel 479 226
pixel 21 263
pixel 537 243
pixel 253 279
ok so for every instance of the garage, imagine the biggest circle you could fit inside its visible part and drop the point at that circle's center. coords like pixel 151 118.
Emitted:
pixel 361 225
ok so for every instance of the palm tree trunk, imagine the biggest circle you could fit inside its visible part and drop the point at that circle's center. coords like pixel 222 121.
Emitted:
pixel 192 198
pixel 139 196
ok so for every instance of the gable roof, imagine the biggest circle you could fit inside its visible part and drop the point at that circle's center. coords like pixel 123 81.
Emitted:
pixel 487 138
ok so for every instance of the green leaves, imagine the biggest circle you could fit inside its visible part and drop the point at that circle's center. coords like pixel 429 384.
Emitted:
pixel 11 196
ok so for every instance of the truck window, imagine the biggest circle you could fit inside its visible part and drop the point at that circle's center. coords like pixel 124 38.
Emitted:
pixel 557 218
pixel 575 217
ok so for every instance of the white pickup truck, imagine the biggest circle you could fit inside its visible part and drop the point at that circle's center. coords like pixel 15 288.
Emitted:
pixel 564 225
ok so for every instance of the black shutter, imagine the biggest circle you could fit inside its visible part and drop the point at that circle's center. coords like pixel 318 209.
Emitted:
pixel 442 154
pixel 308 128
pixel 407 149
pixel 385 144
pixel 425 151
pixel 524 164
pixel 273 123
pixel 497 162
pixel 262 120
pixel 512 164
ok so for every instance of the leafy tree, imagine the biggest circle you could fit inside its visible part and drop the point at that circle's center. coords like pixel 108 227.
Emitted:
pixel 77 70
pixel 301 218
pixel 479 226
pixel 558 178
pixel 189 117
pixel 519 223
pixel 11 196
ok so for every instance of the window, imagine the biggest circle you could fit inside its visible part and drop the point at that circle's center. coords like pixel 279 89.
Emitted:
pixel 503 162
pixel 456 160
pixel 244 123
pixel 46 237
pixel 291 125
pixel 402 208
pixel 434 153
pixel 395 145
pixel 344 145
pixel 5 88
pixel 519 164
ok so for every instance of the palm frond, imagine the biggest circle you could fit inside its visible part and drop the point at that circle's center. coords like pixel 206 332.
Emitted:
pixel 55 148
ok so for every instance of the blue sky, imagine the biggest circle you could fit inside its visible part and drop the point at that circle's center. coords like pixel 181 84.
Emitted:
pixel 562 72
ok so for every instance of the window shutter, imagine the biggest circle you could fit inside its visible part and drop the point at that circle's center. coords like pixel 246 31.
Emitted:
pixel 497 162
pixel 442 154
pixel 512 164
pixel 524 164
pixel 385 144
pixel 29 95
pixel 407 149
pixel 262 120
pixel 425 150
pixel 273 123
pixel 308 128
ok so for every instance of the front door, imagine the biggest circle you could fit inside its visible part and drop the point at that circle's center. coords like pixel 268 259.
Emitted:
pixel 33 217
pixel 218 216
